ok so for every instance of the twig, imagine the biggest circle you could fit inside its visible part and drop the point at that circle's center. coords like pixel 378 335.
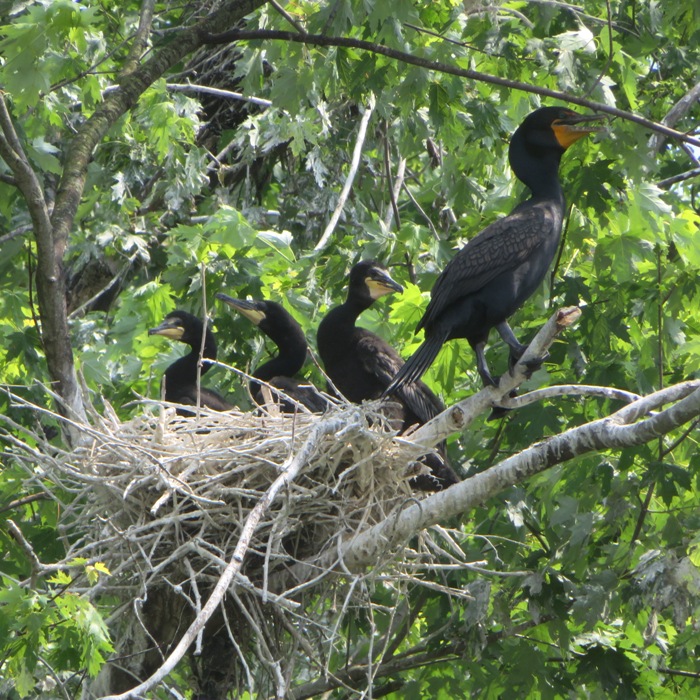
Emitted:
pixel 422 212
pixel 667 182
pixel 218 92
pixel 19 231
pixel 57 679
pixel 24 501
pixel 486 9
pixel 678 672
pixel 288 17
pixel 197 603
pixel 354 164
pixel 37 567
pixel 394 186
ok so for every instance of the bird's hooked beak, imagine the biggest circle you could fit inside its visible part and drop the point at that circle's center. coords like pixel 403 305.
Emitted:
pixel 379 283
pixel 252 310
pixel 171 328
pixel 573 127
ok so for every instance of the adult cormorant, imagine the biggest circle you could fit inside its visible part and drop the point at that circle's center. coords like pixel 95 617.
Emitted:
pixel 495 272
pixel 180 378
pixel 361 365
pixel 281 327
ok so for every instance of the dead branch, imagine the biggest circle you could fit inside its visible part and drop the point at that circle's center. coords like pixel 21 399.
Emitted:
pixel 632 425
pixel 354 165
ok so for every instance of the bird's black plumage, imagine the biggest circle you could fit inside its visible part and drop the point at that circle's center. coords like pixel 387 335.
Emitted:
pixel 499 269
pixel 180 378
pixel 281 327
pixel 361 365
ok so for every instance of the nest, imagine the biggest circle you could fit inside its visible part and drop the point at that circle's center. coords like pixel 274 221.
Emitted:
pixel 160 487
pixel 162 502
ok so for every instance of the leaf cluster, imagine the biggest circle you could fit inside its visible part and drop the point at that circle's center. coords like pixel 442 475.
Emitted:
pixel 591 582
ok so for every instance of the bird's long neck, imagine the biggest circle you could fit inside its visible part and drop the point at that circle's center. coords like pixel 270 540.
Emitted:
pixel 538 168
pixel 349 311
pixel 185 369
pixel 289 360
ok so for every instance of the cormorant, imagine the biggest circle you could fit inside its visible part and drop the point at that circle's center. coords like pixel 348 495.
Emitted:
pixel 280 326
pixel 495 272
pixel 361 365
pixel 180 378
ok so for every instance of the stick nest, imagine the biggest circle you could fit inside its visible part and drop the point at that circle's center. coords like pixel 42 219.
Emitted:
pixel 162 501
pixel 161 487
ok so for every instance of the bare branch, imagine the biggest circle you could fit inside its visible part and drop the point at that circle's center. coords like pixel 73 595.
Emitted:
pixel 604 392
pixel 621 429
pixel 675 114
pixel 458 417
pixel 394 186
pixel 320 40
pixel 189 87
pixel 354 165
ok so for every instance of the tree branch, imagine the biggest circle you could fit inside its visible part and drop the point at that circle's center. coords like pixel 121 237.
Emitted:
pixel 8 179
pixel 549 392
pixel 675 114
pixel 320 40
pixel 687 175
pixel 457 418
pixel 625 428
pixel 140 42
pixel 354 165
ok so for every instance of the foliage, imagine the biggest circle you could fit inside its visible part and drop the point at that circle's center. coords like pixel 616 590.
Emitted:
pixel 592 581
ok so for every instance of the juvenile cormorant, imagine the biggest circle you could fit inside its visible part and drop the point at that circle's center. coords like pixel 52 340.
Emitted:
pixel 180 378
pixel 281 327
pixel 361 365
pixel 495 272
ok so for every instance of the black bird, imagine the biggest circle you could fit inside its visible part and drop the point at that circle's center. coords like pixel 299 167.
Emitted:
pixel 361 365
pixel 495 272
pixel 281 327
pixel 180 378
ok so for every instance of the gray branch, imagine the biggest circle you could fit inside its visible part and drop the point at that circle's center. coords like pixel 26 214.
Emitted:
pixel 632 425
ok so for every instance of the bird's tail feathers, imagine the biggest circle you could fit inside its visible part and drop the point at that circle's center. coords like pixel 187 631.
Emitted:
pixel 416 365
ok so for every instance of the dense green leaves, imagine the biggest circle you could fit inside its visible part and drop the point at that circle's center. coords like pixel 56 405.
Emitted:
pixel 587 581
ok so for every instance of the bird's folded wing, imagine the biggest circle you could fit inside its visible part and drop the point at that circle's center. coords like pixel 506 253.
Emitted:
pixel 500 247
